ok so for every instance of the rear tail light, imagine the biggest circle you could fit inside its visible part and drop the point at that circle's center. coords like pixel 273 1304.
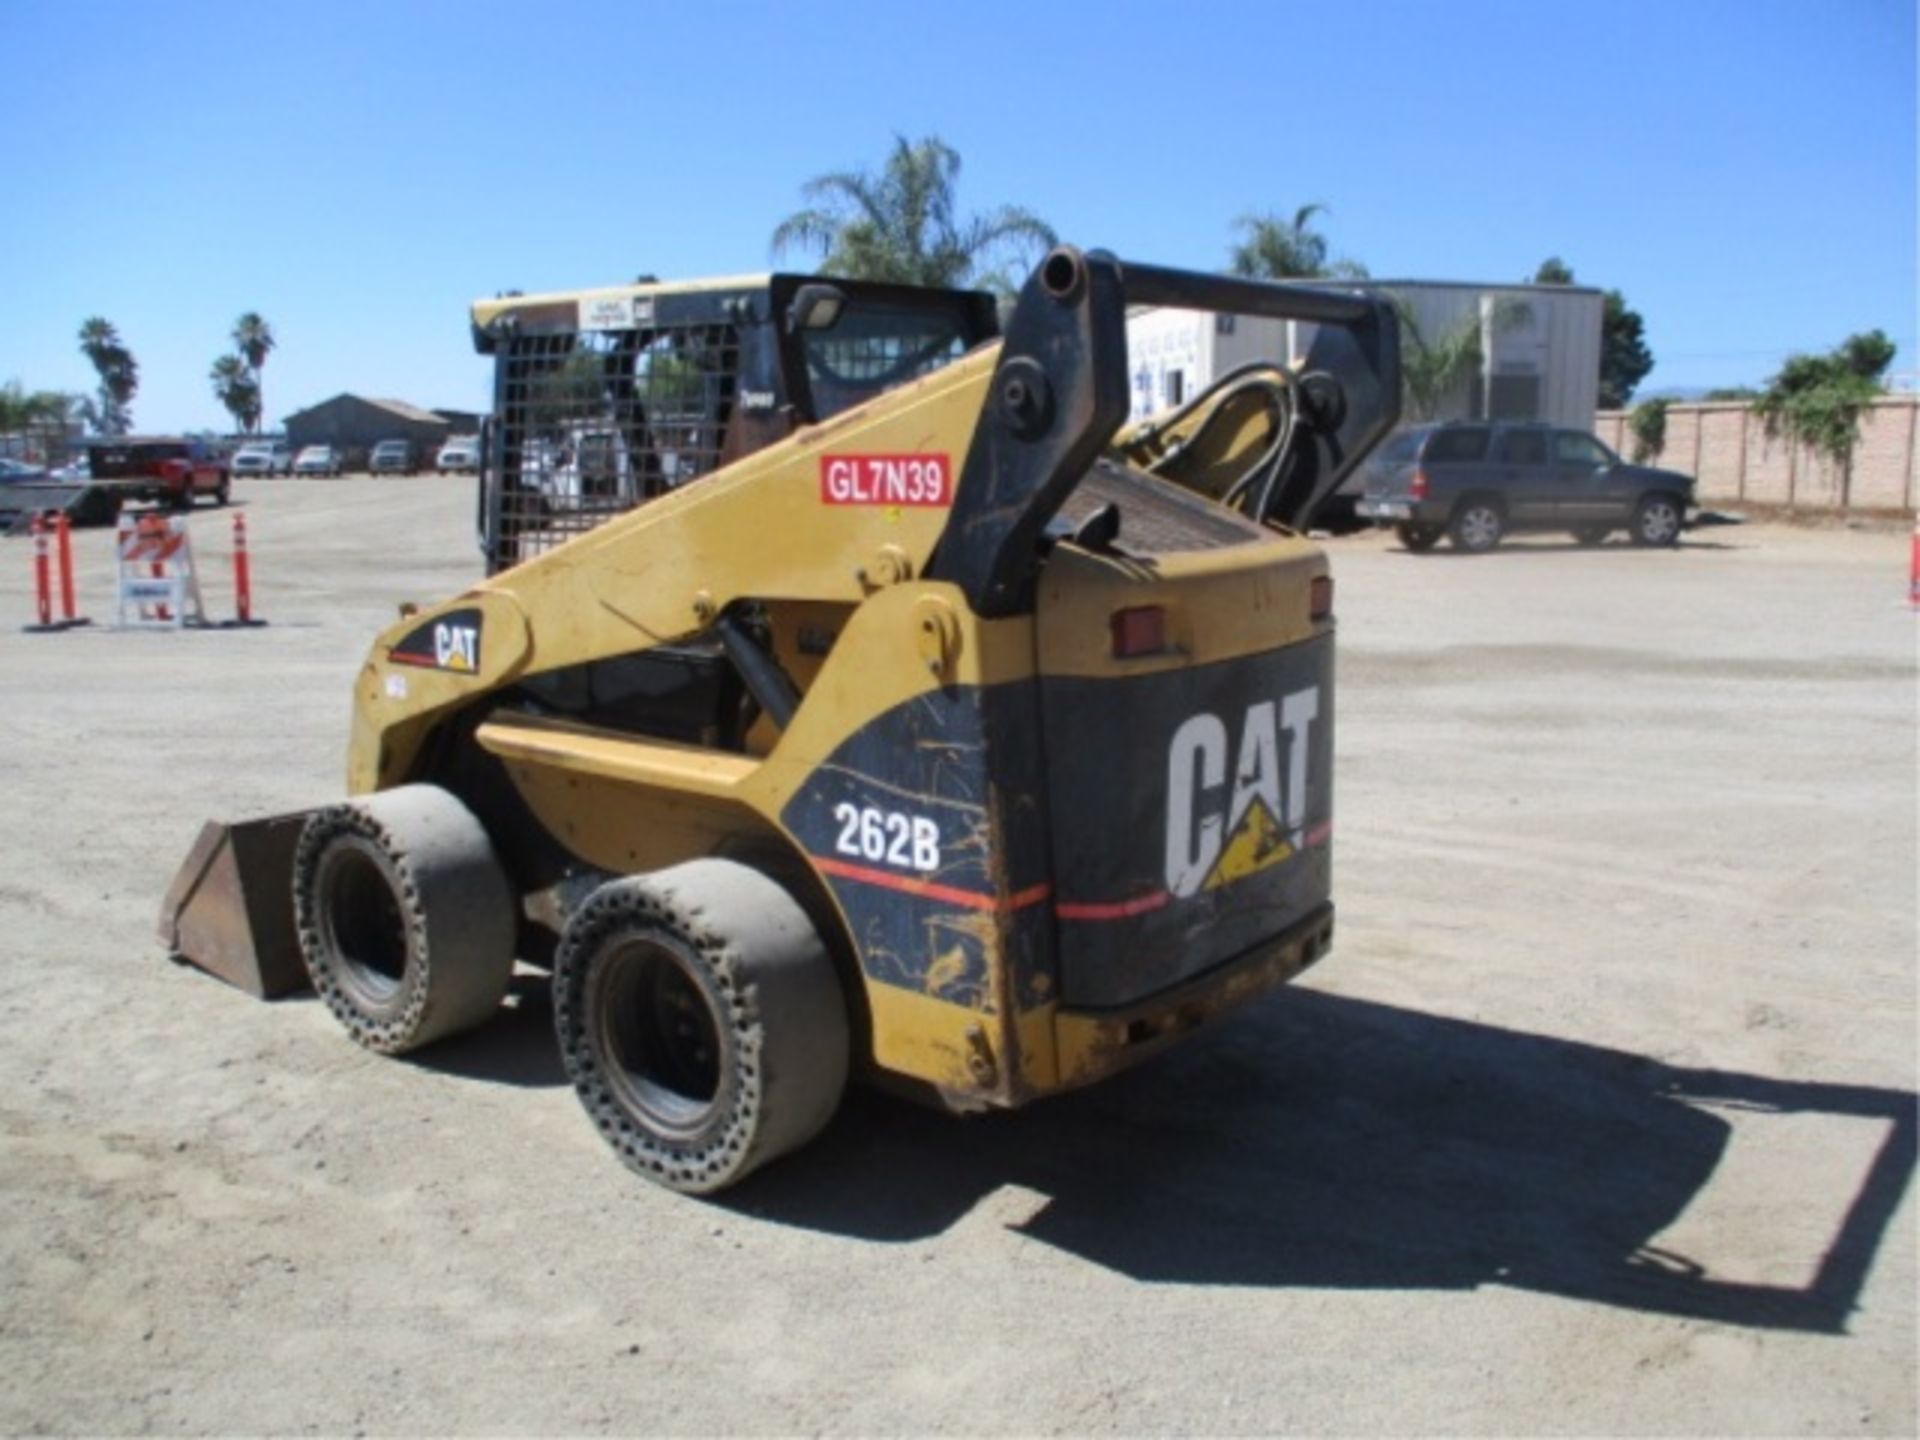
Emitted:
pixel 1418 490
pixel 1141 630
pixel 1320 598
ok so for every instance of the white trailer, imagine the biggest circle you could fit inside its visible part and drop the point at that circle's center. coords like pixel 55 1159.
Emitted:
pixel 1539 348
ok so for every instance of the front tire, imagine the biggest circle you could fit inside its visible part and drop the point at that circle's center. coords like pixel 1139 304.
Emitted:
pixel 1657 521
pixel 701 1022
pixel 406 920
pixel 1419 538
pixel 1477 527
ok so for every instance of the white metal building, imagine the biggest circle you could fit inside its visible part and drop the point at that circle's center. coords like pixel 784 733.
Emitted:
pixel 1539 346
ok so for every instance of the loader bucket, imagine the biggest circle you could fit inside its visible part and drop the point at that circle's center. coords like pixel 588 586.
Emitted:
pixel 230 907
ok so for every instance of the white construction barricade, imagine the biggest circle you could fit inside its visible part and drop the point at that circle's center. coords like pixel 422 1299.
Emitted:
pixel 158 585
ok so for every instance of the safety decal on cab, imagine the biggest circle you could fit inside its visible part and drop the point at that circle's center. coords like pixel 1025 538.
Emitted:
pixel 886 480
pixel 447 642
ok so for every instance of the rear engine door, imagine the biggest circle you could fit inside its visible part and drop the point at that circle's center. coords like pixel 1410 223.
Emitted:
pixel 1187 708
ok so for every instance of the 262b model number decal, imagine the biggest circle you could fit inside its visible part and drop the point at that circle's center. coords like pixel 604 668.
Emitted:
pixel 887 837
pixel 886 480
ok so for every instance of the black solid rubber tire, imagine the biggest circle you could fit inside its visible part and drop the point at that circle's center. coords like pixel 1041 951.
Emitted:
pixel 737 946
pixel 406 920
pixel 1419 538
pixel 1591 534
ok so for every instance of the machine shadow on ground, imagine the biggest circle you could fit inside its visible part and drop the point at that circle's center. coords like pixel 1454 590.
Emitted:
pixel 516 1047
pixel 1329 1142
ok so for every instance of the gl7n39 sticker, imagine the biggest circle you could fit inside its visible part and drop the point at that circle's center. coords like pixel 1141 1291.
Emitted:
pixel 886 480
pixel 447 642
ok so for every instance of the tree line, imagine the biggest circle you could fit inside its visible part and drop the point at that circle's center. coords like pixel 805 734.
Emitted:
pixel 236 380
pixel 903 223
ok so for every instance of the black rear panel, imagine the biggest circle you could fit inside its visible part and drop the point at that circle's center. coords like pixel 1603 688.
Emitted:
pixel 1191 815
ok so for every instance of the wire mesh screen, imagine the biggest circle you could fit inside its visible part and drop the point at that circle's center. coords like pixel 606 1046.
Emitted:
pixel 594 422
pixel 875 347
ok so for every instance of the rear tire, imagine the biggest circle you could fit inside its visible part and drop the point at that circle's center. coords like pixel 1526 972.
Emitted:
pixel 406 920
pixel 701 1021
pixel 1419 538
pixel 1477 527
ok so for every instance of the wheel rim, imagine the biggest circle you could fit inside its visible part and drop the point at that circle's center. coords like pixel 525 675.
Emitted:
pixel 1658 523
pixel 1479 527
pixel 659 1036
pixel 361 916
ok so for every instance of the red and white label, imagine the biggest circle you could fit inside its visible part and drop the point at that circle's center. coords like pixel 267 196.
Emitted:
pixel 886 480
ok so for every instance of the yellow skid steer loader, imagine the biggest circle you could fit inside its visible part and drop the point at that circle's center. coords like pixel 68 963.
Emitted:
pixel 853 691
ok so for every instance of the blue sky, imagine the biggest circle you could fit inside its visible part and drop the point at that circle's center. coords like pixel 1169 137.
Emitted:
pixel 1744 172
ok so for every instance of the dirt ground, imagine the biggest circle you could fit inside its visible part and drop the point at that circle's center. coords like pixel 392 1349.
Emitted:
pixel 1600 1117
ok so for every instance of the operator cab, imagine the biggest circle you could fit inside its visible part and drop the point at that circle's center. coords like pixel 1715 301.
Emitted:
pixel 605 399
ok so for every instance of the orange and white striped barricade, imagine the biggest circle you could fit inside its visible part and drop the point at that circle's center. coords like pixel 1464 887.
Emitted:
pixel 158 585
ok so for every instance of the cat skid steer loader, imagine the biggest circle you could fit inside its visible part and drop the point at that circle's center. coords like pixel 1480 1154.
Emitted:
pixel 853 692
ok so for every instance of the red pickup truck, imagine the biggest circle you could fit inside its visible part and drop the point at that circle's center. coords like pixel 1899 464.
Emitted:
pixel 162 469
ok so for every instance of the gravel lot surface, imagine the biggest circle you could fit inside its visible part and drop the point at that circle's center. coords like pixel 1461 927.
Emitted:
pixel 1600 1117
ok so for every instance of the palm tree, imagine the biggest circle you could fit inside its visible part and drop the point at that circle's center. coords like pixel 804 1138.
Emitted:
pixel 1429 370
pixel 22 411
pixel 900 225
pixel 1276 249
pixel 234 387
pixel 253 338
pixel 119 374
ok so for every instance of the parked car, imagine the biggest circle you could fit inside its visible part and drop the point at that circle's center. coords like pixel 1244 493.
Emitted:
pixel 1477 482
pixel 263 457
pixel 166 469
pixel 462 452
pixel 391 457
pixel 317 460
pixel 76 469
pixel 14 471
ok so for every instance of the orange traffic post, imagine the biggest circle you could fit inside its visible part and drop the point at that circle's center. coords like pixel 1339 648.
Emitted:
pixel 42 579
pixel 42 590
pixel 63 536
pixel 242 575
